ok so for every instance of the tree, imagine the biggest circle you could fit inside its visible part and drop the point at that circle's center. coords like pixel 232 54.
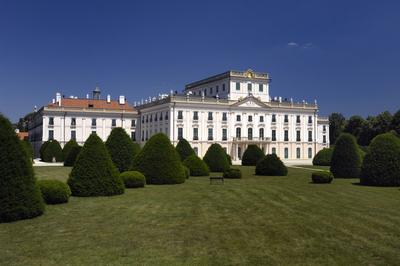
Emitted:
pixel 184 149
pixel 121 148
pixel 52 151
pixel 27 146
pixel 354 126
pixel 336 126
pixel 383 123
pixel 197 166
pixel 346 158
pixel 94 173
pixel 252 155
pixel 271 165
pixel 216 159
pixel 20 197
pixel 72 156
pixel 396 122
pixel 159 162
pixel 136 149
pixel 381 165
pixel 68 147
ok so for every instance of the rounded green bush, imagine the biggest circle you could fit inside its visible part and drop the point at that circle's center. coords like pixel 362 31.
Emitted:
pixel 323 157
pixel 381 165
pixel 54 191
pixel 52 150
pixel 94 174
pixel 233 173
pixel 184 149
pixel 271 165
pixel 133 179
pixel 159 162
pixel 196 166
pixel 216 159
pixel 252 155
pixel 187 172
pixel 20 197
pixel 121 148
pixel 72 155
pixel 346 157
pixel 68 147
pixel 321 177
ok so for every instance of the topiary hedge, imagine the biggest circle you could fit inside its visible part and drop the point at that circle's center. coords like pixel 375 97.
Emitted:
pixel 72 156
pixel 20 197
pixel 381 165
pixel 271 165
pixel 233 173
pixel 216 159
pixel 184 149
pixel 52 150
pixel 346 157
pixel 323 157
pixel 229 158
pixel 187 172
pixel 42 148
pixel 321 177
pixel 133 179
pixel 136 150
pixel 68 147
pixel 121 148
pixel 159 162
pixel 94 174
pixel 28 149
pixel 54 191
pixel 252 155
pixel 196 166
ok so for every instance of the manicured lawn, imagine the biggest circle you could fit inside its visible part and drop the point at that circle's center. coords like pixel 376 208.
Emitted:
pixel 256 220
pixel 315 167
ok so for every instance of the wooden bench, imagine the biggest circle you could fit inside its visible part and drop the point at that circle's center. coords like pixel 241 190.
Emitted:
pixel 216 178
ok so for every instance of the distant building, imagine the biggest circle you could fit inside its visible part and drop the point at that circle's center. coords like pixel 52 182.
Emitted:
pixel 22 135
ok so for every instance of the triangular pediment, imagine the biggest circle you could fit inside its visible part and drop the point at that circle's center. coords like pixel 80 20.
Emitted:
pixel 250 102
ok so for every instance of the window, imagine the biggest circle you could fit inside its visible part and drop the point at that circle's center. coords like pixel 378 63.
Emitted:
pixel 210 133
pixel 273 151
pixel 298 119
pixel 210 116
pixel 286 153
pixel 133 123
pixel 151 118
pixel 250 133
pixel 94 122
pixel 51 134
pixel 73 121
pixel 261 133
pixel 196 150
pixel 180 133
pixel 113 122
pixel 195 133
pixel 180 114
pixel 217 89
pixel 195 115
pixel 94 132
pixel 238 132
pixel 142 119
pixel 166 115
pixel 309 135
pixel 250 118
pixel 73 134
pixel 51 121
pixel 147 134
pixel 205 92
pixel 223 87
pixel 286 135
pixel 238 86
pixel 147 118
pixel 274 118
pixel 239 151
pixel 249 87
pixel 324 128
pixel 238 118
pixel 309 153
pixel 224 134
pixel 161 116
pixel 323 139
pixel 310 119
pixel 286 119
pixel 142 135
pixel 211 90
pixel 298 153
pixel 155 117
pixel 260 87
pixel 298 138
pixel 224 117
pixel 273 135
pixel 261 119
pixel 133 135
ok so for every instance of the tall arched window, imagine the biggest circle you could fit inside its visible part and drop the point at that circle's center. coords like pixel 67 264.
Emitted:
pixel 238 132
pixel 261 133
pixel 250 133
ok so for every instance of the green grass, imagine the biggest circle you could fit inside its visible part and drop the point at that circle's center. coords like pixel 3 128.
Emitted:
pixel 315 167
pixel 255 220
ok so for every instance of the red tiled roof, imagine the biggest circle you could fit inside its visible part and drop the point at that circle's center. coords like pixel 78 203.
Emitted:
pixel 94 104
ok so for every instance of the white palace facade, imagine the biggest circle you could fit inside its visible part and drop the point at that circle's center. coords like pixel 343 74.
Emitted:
pixel 233 109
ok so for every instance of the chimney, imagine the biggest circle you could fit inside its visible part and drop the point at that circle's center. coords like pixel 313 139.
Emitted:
pixel 121 99
pixel 87 96
pixel 53 100
pixel 96 93
pixel 58 98
pixel 108 98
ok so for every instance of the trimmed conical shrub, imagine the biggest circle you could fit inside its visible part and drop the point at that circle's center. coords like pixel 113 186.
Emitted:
pixel 159 162
pixel 121 148
pixel 72 155
pixel 346 158
pixel 20 197
pixel 271 165
pixel 68 147
pixel 94 173
pixel 197 166
pixel 184 149
pixel 381 165
pixel 323 157
pixel 52 150
pixel 42 148
pixel 252 155
pixel 136 149
pixel 215 158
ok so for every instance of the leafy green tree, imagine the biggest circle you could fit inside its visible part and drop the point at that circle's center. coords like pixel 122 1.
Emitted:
pixel 396 122
pixel 216 159
pixel 336 126
pixel 383 123
pixel 20 197
pixel 121 149
pixel 354 126
pixel 252 155
pixel 184 149
pixel 346 157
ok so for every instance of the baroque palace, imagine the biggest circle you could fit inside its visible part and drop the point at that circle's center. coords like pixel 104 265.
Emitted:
pixel 234 109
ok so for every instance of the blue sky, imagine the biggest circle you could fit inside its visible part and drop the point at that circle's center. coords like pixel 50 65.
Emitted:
pixel 345 54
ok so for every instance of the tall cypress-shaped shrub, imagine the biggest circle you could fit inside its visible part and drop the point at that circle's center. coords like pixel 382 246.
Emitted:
pixel 216 159
pixel 121 148
pixel 252 155
pixel 72 155
pixel 184 149
pixel 68 147
pixel 346 157
pixel 20 197
pixel 94 173
pixel 53 150
pixel 381 165
pixel 159 162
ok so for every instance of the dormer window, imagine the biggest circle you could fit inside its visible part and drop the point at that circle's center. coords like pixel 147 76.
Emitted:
pixel 90 105
pixel 249 87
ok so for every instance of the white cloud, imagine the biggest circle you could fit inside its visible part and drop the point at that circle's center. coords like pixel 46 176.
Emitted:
pixel 292 44
pixel 308 45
